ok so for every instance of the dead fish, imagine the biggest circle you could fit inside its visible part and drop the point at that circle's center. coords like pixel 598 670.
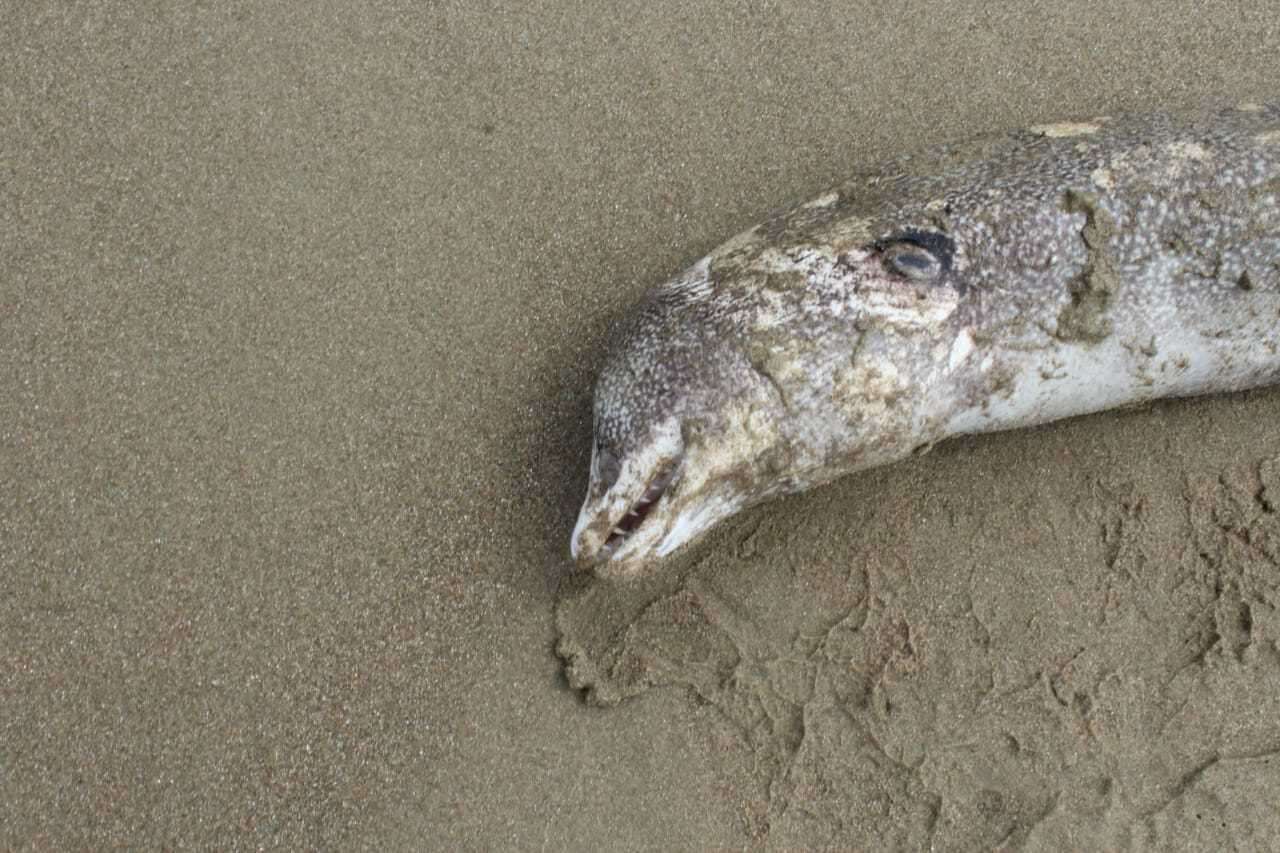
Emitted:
pixel 1002 282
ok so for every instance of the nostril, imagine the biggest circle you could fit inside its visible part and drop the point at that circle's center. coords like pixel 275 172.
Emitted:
pixel 608 467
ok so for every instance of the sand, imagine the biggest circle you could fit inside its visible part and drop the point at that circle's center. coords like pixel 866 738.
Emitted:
pixel 300 309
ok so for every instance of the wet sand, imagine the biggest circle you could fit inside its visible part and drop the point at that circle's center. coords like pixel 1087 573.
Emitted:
pixel 300 309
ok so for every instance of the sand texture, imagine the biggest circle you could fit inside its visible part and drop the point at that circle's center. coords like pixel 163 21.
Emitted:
pixel 300 310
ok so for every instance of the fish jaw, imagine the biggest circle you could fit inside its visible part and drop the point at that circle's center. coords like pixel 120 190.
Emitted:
pixel 622 519
pixel 686 477
pixel 667 494
pixel 672 506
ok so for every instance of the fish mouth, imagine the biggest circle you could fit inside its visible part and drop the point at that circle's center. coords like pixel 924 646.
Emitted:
pixel 635 516
pixel 619 524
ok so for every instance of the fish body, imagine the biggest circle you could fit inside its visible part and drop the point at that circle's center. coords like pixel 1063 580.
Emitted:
pixel 997 283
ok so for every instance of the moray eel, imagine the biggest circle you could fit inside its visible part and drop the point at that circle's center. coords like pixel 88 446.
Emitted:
pixel 998 283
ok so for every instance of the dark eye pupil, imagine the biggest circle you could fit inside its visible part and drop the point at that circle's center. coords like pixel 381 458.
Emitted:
pixel 916 261
pixel 911 261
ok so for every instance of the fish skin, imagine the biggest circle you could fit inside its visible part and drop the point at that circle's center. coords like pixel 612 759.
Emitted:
pixel 996 283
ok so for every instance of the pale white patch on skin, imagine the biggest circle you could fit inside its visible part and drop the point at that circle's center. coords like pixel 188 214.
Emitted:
pixel 960 350
pixel 688 525
pixel 875 383
pixel 1077 380
pixel 1067 128
pixel 1080 379
pixel 579 528
pixel 856 257
pixel 1102 178
pixel 774 261
pixel 1249 107
pixel 824 200
pixel 904 307
pixel 1189 151
pixel 1268 137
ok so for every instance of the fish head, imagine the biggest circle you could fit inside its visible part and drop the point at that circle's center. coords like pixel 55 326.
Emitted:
pixel 683 428
pixel 720 390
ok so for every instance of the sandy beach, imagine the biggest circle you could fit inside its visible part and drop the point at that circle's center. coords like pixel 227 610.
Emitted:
pixel 300 310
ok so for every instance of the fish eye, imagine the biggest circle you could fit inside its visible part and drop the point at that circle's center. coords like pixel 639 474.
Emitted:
pixel 911 261
pixel 917 255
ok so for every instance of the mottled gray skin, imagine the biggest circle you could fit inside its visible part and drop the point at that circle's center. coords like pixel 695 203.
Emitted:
pixel 998 283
